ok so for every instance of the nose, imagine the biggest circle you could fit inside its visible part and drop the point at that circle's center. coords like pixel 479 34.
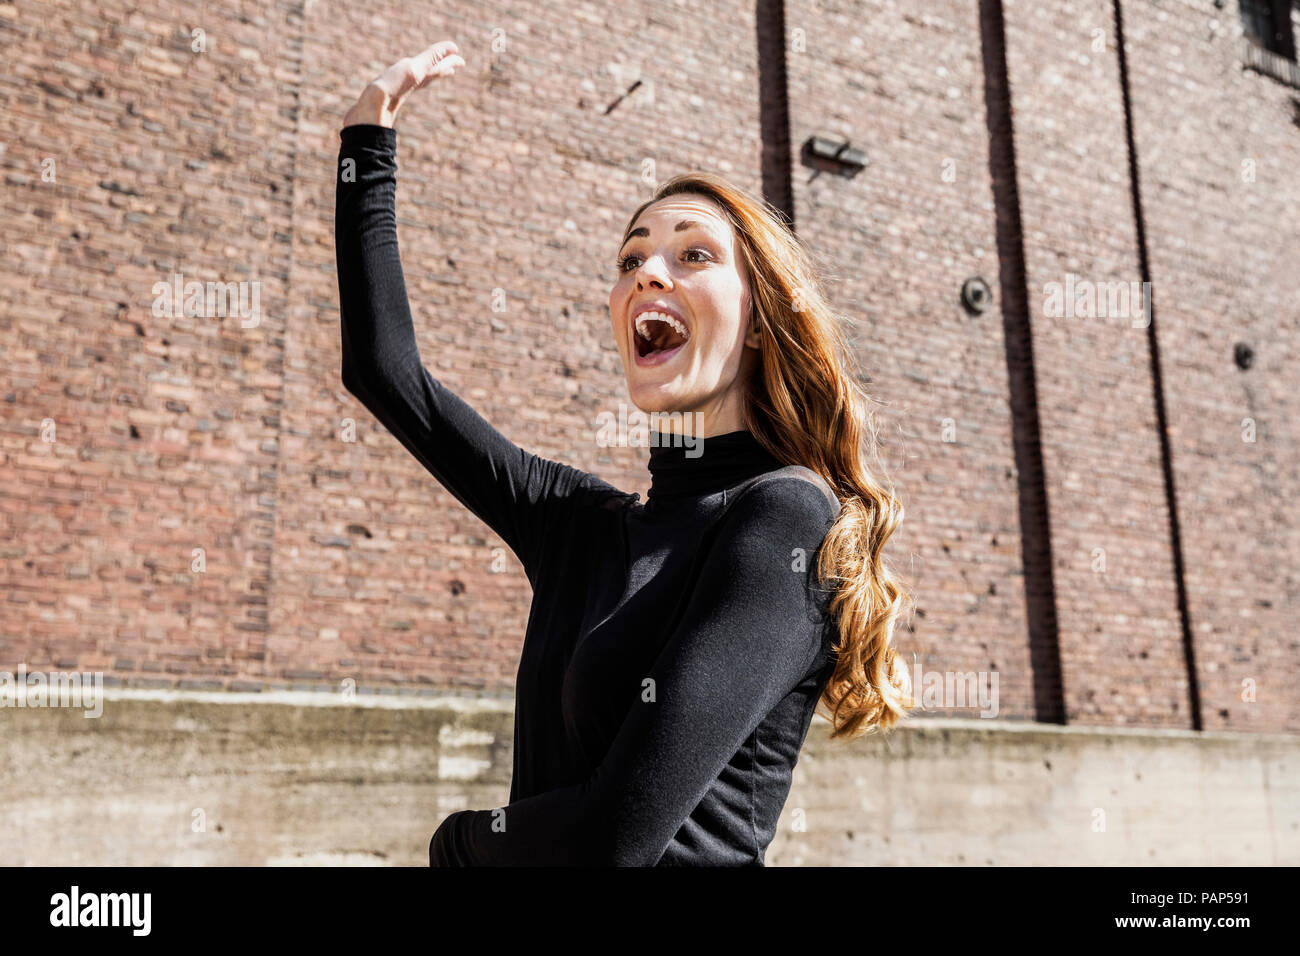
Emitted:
pixel 652 272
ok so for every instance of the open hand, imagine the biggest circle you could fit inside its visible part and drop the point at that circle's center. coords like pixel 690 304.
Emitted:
pixel 381 100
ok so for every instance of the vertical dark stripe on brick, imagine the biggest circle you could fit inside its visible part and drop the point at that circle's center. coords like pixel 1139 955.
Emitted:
pixel 1035 524
pixel 774 108
pixel 1157 380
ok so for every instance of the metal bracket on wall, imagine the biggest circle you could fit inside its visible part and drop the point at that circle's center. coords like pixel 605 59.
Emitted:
pixel 833 156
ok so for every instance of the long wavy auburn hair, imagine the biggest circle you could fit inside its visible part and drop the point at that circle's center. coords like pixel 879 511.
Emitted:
pixel 805 406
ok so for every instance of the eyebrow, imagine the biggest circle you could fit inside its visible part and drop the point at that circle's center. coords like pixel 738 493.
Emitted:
pixel 681 226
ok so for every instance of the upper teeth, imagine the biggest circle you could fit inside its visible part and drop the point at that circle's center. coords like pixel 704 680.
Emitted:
pixel 644 318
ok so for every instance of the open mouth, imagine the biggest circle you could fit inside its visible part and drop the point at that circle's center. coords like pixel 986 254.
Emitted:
pixel 658 332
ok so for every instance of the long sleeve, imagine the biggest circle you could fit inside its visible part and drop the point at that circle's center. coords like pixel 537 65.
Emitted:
pixel 750 631
pixel 517 494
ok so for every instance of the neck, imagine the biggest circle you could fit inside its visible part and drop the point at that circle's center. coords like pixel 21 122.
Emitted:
pixel 684 466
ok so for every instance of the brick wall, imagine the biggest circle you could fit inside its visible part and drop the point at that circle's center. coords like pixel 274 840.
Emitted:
pixel 1220 149
pixel 328 553
pixel 900 238
pixel 1112 562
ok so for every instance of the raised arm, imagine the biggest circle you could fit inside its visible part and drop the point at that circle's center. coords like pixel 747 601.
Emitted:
pixel 751 631
pixel 516 493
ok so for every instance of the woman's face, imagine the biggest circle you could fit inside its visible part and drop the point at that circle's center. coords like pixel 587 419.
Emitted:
pixel 681 257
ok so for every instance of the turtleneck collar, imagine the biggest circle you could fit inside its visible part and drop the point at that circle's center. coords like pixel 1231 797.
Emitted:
pixel 712 464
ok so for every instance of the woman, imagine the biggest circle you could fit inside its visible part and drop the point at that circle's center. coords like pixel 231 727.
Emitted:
pixel 676 649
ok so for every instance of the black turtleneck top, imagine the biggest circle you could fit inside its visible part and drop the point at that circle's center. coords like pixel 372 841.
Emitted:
pixel 675 649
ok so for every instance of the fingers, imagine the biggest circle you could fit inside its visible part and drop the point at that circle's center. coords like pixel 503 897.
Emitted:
pixel 441 59
pixel 429 60
pixel 414 72
pixel 446 67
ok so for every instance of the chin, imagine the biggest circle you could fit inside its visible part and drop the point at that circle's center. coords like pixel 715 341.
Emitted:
pixel 662 406
pixel 651 395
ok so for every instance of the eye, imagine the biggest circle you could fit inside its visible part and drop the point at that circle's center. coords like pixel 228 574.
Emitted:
pixel 622 261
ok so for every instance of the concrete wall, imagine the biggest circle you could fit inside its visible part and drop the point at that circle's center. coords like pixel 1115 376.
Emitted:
pixel 195 778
